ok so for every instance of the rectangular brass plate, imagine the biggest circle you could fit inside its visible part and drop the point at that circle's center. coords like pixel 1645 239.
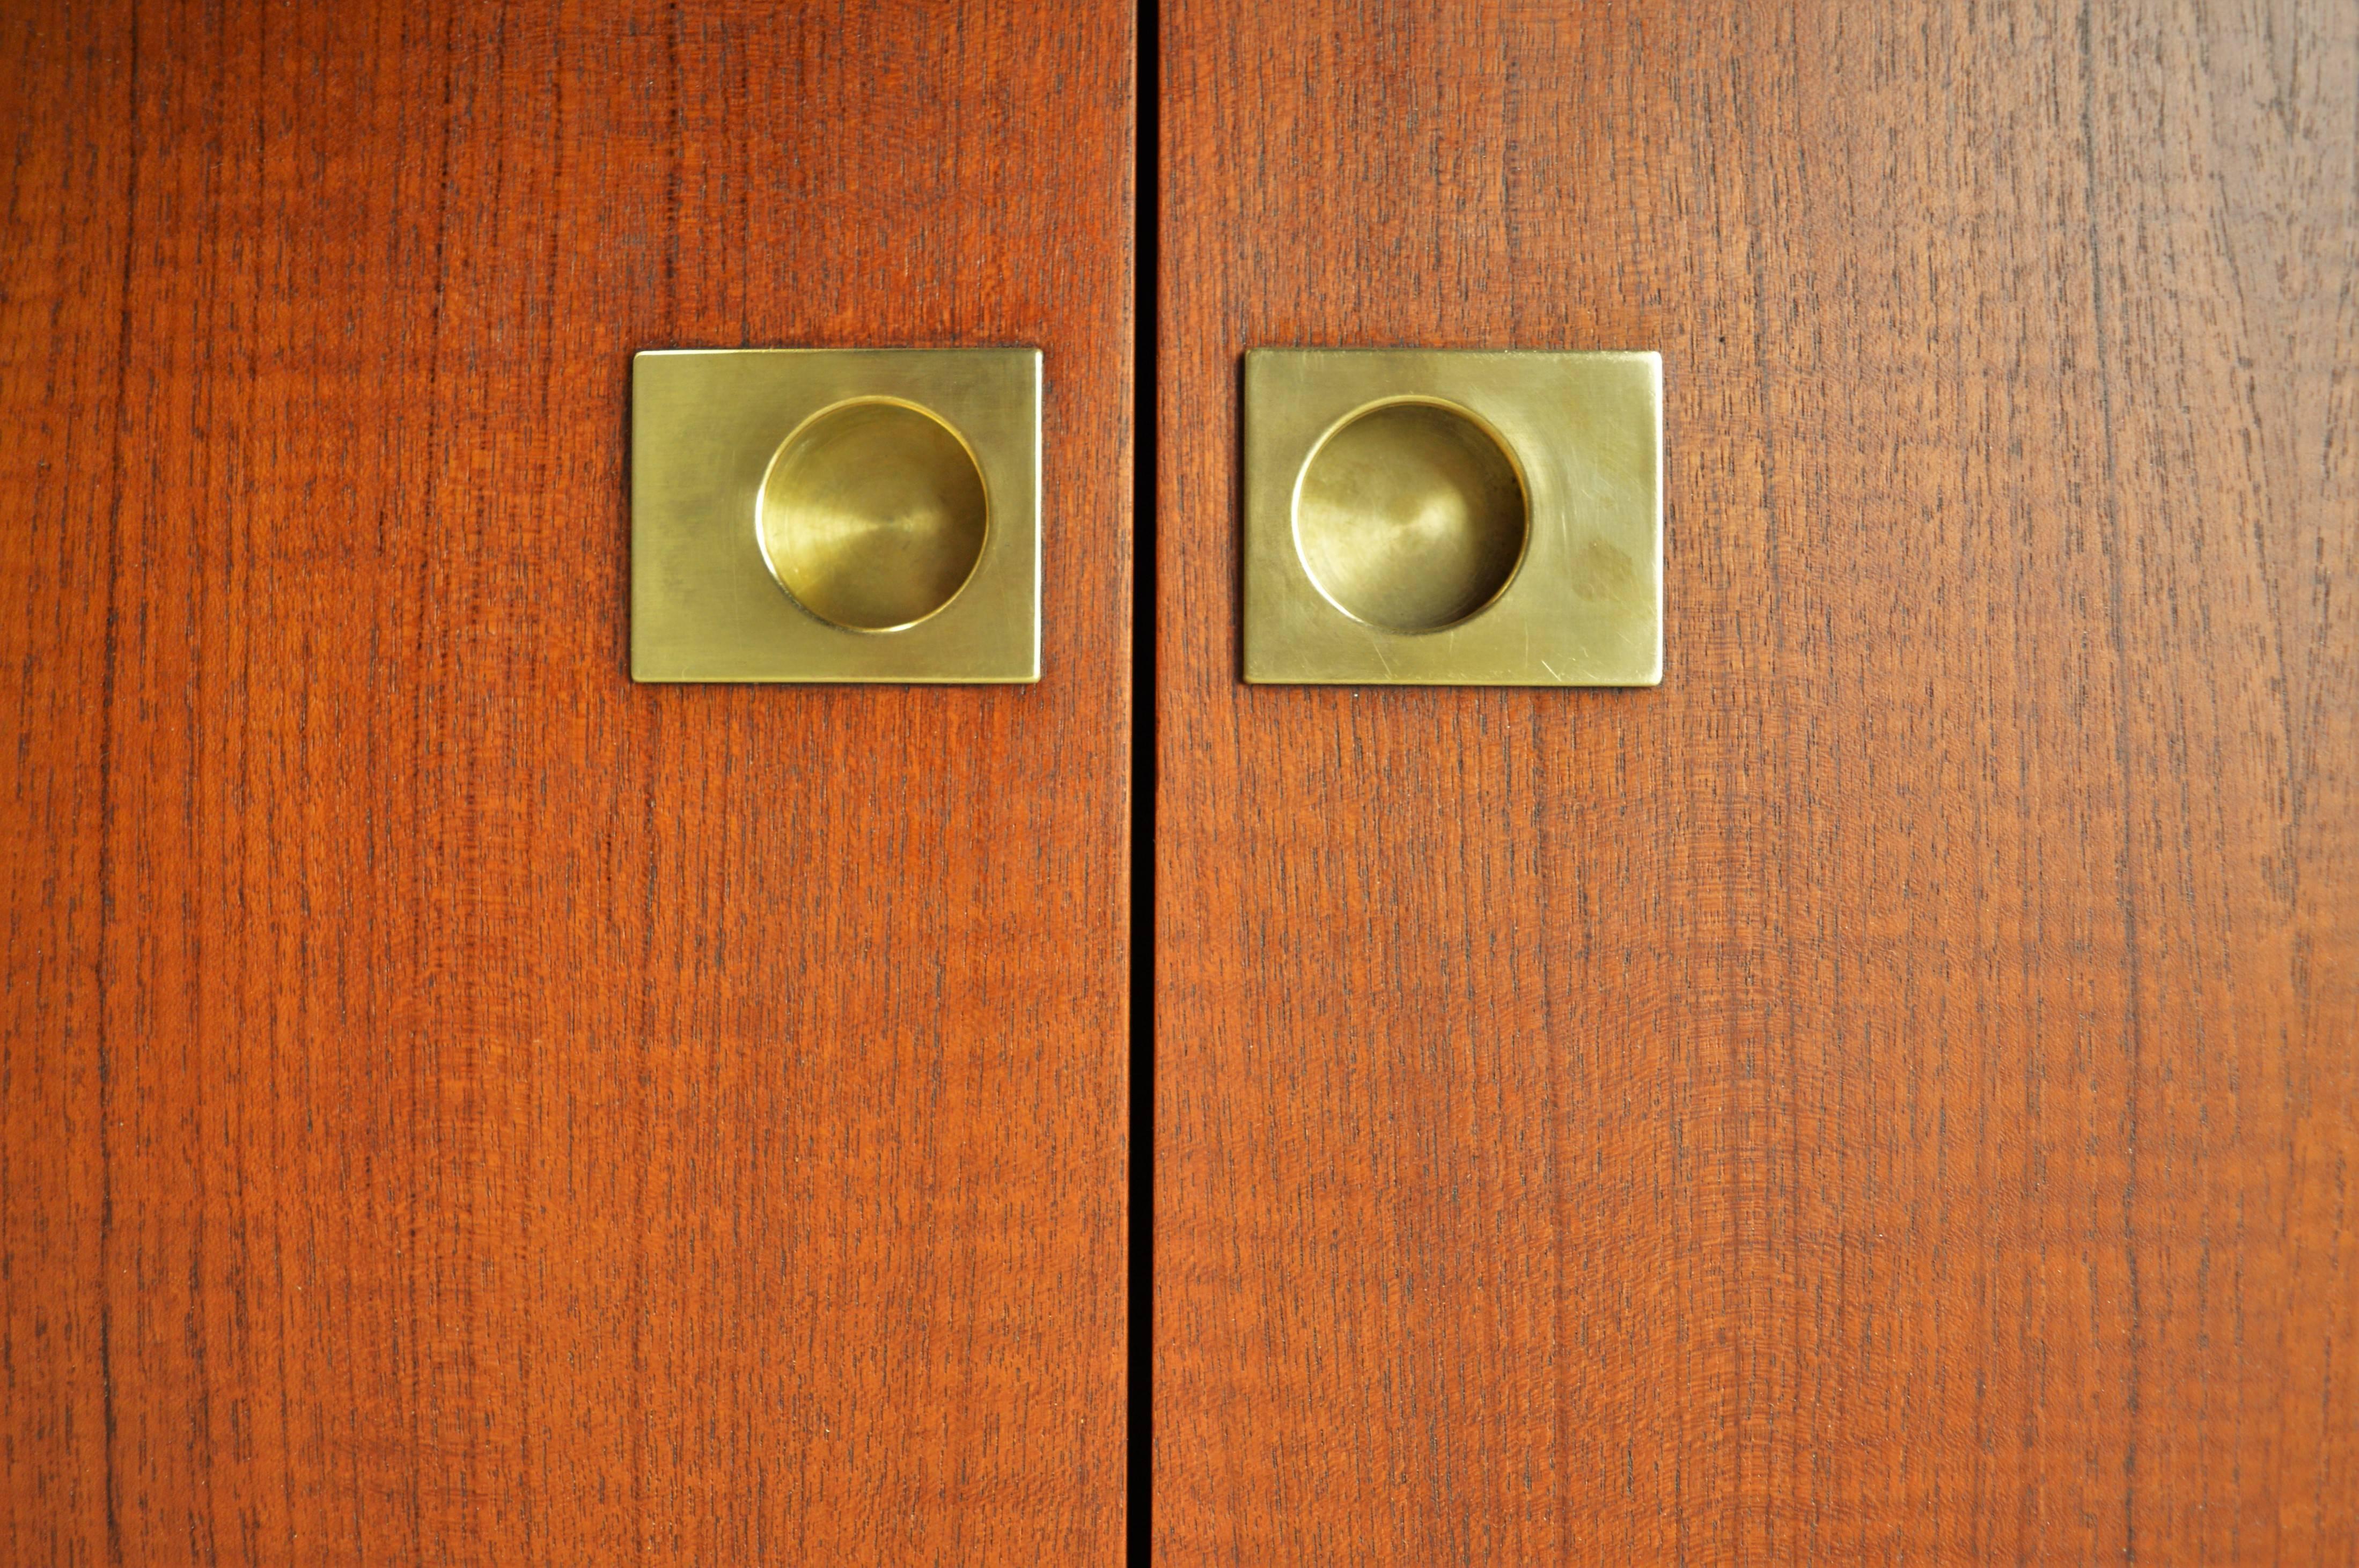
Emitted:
pixel 836 514
pixel 1454 518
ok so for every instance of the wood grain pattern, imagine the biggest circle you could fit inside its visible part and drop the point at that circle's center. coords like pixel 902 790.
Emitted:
pixel 1892 1094
pixel 459 1107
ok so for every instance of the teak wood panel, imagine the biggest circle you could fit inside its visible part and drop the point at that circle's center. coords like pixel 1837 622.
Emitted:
pixel 1890 1095
pixel 460 1106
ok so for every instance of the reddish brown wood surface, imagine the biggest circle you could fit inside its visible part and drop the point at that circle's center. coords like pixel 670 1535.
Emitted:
pixel 459 1107
pixel 1892 1094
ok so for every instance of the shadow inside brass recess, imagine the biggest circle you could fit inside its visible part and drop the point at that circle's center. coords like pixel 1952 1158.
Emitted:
pixel 873 515
pixel 1411 517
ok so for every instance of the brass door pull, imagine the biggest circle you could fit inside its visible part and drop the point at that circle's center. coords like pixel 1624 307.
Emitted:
pixel 1440 518
pixel 836 514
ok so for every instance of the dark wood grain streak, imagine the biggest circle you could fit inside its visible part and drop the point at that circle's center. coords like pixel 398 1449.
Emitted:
pixel 460 1106
pixel 1892 1094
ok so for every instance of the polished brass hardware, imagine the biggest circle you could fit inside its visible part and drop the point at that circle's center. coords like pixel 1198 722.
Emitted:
pixel 873 515
pixel 1452 517
pixel 835 515
pixel 1416 460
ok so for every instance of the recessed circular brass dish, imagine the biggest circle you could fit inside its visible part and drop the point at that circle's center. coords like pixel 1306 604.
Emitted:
pixel 1411 517
pixel 872 515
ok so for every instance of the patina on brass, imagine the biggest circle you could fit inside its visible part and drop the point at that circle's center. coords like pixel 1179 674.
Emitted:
pixel 1447 517
pixel 873 515
pixel 1411 517
pixel 836 514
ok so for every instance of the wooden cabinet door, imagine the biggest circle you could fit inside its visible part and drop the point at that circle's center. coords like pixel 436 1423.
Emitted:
pixel 461 1106
pixel 1891 1093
